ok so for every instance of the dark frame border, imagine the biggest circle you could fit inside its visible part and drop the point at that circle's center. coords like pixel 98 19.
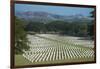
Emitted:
pixel 12 29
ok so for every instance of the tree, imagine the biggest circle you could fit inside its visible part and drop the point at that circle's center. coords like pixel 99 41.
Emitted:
pixel 92 26
pixel 83 29
pixel 21 41
pixel 35 27
pixel 92 13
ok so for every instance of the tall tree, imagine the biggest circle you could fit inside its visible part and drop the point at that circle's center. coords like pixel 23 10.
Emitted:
pixel 21 41
pixel 92 26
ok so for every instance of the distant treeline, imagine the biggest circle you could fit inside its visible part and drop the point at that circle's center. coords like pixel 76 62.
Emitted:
pixel 83 29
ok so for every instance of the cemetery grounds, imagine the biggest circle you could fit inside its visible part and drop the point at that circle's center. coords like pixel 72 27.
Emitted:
pixel 55 49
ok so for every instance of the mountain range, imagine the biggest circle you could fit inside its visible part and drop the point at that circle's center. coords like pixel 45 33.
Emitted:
pixel 46 17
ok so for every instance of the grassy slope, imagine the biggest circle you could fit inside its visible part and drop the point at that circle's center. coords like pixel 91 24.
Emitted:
pixel 20 61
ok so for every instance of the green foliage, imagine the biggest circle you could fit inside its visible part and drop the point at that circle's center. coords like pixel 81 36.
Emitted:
pixel 35 26
pixel 74 28
pixel 56 26
pixel 21 41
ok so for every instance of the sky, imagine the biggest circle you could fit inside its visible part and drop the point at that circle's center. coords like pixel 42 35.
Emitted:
pixel 61 10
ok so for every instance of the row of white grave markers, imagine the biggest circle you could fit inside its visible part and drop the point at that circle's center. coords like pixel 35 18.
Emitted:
pixel 75 41
pixel 52 54
pixel 48 50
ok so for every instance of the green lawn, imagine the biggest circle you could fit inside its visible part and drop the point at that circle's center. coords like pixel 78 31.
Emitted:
pixel 20 61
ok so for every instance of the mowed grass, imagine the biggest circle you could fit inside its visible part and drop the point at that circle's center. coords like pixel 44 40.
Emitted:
pixel 21 61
